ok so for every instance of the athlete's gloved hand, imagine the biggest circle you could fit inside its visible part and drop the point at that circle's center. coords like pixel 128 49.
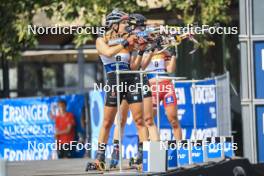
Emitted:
pixel 172 51
pixel 129 41
pixel 153 46
pixel 142 45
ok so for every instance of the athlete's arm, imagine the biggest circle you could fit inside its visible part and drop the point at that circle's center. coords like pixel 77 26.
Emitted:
pixel 110 51
pixel 136 57
pixel 135 61
pixel 146 60
pixel 106 50
pixel 171 64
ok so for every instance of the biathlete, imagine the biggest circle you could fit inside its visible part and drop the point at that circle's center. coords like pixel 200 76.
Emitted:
pixel 114 49
pixel 137 24
pixel 163 61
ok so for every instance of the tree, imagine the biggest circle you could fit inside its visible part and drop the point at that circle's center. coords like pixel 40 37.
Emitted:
pixel 15 16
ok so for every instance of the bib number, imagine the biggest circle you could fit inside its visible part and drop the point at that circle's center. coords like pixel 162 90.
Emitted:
pixel 118 58
pixel 156 64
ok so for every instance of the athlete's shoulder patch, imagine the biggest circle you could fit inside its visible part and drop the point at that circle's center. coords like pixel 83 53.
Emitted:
pixel 169 100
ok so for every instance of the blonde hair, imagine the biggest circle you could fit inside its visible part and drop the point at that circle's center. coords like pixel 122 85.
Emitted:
pixel 109 35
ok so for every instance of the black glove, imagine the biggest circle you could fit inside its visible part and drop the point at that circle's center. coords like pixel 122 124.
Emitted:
pixel 153 46
pixel 125 43
pixel 141 52
pixel 172 51
pixel 159 41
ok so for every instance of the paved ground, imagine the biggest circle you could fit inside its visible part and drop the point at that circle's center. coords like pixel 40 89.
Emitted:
pixel 63 167
pixel 76 167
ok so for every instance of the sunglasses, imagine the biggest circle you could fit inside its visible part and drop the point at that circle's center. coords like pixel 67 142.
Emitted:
pixel 124 22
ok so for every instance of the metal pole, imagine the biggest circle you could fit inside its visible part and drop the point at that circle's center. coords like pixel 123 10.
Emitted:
pixel 172 78
pixel 87 121
pixel 194 110
pixel 119 117
pixel 81 69
pixel 141 85
pixel 3 167
pixel 228 105
pixel 141 71
pixel 219 130
pixel 173 82
pixel 158 105
pixel 142 94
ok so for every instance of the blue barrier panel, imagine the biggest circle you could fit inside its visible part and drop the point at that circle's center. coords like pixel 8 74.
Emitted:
pixel 26 129
pixel 260 132
pixel 183 153
pixel 205 104
pixel 228 147
pixel 172 155
pixel 259 69
pixel 96 100
pixel 130 138
pixel 145 161
pixel 206 115
pixel 197 151
pixel 213 148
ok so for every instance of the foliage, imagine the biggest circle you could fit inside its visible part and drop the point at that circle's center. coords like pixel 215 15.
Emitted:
pixel 15 16
pixel 14 19
pixel 206 12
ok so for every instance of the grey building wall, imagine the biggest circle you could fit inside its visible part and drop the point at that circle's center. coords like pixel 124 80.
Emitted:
pixel 251 31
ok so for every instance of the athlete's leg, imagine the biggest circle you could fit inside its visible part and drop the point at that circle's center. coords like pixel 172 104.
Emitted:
pixel 115 152
pixel 124 110
pixel 109 117
pixel 170 105
pixel 171 111
pixel 110 110
pixel 137 114
pixel 149 120
pixel 155 100
pixel 134 99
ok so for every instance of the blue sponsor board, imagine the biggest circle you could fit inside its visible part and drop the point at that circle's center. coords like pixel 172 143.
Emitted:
pixel 183 153
pixel 172 155
pixel 228 147
pixel 31 150
pixel 197 151
pixel 145 161
pixel 228 150
pixel 130 138
pixel 259 94
pixel 213 148
pixel 260 132
pixel 26 129
pixel 259 69
pixel 205 102
pixel 96 100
